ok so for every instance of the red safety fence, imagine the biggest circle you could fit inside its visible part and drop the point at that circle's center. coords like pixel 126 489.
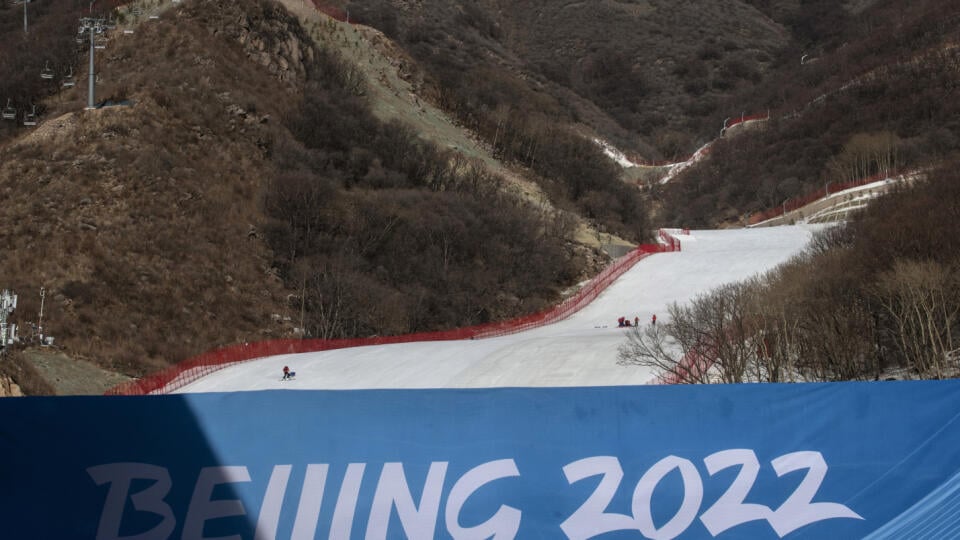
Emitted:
pixel 691 368
pixel 800 202
pixel 339 14
pixel 705 149
pixel 744 118
pixel 200 366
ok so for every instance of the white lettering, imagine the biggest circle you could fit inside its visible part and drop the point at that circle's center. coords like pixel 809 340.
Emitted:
pixel 798 510
pixel 692 497
pixel 730 510
pixel 592 518
pixel 347 502
pixel 269 518
pixel 393 492
pixel 505 523
pixel 308 512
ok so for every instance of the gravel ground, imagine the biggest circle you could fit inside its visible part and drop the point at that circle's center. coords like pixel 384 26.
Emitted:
pixel 72 377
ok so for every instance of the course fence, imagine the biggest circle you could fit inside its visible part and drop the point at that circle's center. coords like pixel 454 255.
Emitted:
pixel 190 370
pixel 339 14
pixel 799 202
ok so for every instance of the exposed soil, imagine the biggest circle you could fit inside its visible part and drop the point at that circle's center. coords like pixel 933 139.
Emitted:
pixel 71 376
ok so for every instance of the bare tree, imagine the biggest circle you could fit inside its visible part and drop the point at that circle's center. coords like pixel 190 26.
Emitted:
pixel 654 346
pixel 713 338
pixel 923 301
pixel 866 154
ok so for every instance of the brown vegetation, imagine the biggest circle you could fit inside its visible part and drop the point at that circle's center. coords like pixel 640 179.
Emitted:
pixel 244 188
pixel 878 95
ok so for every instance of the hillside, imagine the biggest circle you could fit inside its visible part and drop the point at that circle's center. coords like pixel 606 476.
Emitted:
pixel 875 94
pixel 261 170
pixel 612 67
pixel 247 182
pixel 141 220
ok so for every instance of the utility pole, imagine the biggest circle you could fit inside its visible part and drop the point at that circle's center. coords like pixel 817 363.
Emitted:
pixel 43 294
pixel 94 26
pixel 25 2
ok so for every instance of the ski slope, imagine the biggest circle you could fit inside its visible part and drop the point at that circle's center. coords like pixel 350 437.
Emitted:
pixel 578 351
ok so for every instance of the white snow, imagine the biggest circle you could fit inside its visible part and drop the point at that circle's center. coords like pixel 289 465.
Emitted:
pixel 578 351
pixel 677 168
pixel 615 154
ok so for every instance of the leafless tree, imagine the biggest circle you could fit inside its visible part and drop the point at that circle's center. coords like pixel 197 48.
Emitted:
pixel 923 300
pixel 655 346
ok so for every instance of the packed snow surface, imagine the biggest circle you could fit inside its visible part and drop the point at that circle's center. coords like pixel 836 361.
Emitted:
pixel 578 351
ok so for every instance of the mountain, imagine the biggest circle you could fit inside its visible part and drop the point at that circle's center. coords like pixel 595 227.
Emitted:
pixel 644 74
pixel 237 185
pixel 263 170
pixel 874 94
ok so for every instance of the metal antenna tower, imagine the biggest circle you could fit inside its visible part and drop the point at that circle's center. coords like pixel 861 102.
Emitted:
pixel 94 25
pixel 8 303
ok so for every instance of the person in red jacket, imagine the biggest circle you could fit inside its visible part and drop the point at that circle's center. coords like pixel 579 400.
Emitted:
pixel 653 320
pixel 286 373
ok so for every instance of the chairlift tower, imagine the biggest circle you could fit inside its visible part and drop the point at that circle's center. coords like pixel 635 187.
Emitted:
pixel 25 2
pixel 8 332
pixel 94 25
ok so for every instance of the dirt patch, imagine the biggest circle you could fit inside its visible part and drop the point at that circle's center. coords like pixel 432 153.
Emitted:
pixel 71 377
pixel 8 388
pixel 396 88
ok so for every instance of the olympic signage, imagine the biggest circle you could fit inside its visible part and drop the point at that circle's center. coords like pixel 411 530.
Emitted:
pixel 846 460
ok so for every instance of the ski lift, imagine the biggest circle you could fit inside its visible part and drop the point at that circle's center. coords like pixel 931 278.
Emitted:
pixel 30 119
pixel 46 72
pixel 9 112
pixel 69 81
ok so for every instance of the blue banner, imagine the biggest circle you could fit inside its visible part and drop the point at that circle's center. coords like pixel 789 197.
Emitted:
pixel 814 461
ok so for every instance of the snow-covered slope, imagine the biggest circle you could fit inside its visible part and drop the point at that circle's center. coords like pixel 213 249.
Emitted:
pixel 579 351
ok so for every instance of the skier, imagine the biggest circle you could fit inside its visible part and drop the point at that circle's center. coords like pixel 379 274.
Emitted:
pixel 636 321
pixel 653 320
pixel 620 322
pixel 286 373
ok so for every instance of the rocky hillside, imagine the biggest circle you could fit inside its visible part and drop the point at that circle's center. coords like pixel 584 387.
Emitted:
pixel 645 74
pixel 246 180
pixel 874 95
pixel 141 219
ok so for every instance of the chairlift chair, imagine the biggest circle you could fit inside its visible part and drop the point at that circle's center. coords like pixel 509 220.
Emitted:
pixel 30 119
pixel 46 72
pixel 69 81
pixel 9 112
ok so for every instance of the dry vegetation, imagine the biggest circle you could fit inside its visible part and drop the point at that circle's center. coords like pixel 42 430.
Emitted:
pixel 880 96
pixel 137 218
pixel 244 188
